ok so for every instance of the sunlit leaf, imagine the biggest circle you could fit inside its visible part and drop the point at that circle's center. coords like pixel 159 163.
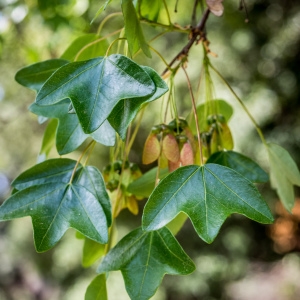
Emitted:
pixel 208 195
pixel 133 29
pixel 150 9
pixel 210 108
pixel 34 76
pixel 144 258
pixel 92 251
pixel 94 50
pixel 241 164
pixel 95 87
pixel 284 173
pixel 143 186
pixel 48 140
pixel 176 224
pixel 100 10
pixel 125 111
pixel 69 134
pixel 97 289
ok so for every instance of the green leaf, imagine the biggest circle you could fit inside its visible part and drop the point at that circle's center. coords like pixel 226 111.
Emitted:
pixel 93 51
pixel 95 87
pixel 144 185
pixel 208 195
pixel 60 170
pixel 55 205
pixel 48 140
pixel 125 111
pixel 176 224
pixel 97 289
pixel 69 134
pixel 100 10
pixel 144 258
pixel 210 108
pixel 133 29
pixel 34 76
pixel 92 251
pixel 150 9
pixel 91 178
pixel 284 174
pixel 241 164
pixel 49 171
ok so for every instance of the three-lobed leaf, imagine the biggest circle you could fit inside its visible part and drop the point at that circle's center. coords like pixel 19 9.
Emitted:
pixel 95 87
pixel 54 204
pixel 241 164
pixel 208 195
pixel 144 258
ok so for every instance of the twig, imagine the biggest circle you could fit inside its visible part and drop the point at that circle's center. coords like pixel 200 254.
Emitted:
pixel 194 12
pixel 195 115
pixel 195 33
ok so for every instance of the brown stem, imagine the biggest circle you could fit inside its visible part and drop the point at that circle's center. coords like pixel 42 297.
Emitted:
pixel 195 33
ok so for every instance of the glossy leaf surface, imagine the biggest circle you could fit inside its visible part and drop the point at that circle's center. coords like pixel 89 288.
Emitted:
pixel 95 87
pixel 55 205
pixel 241 164
pixel 144 258
pixel 34 76
pixel 208 195
pixel 69 134
pixel 49 171
pixel 284 174
pixel 54 208
pixel 97 289
pixel 133 29
pixel 125 111
pixel 91 178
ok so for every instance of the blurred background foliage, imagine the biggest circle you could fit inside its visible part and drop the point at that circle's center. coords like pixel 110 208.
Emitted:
pixel 260 59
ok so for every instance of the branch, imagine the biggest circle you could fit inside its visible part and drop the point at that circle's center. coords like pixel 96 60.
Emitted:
pixel 195 33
